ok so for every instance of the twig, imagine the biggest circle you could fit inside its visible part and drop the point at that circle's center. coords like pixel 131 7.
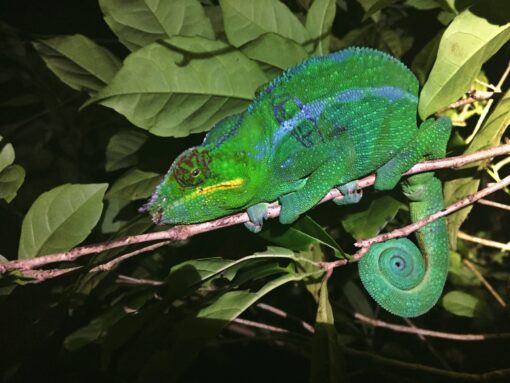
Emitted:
pixel 485 283
pixel 111 264
pixel 431 333
pixel 183 232
pixel 485 111
pixel 472 96
pixel 483 241
pixel 125 279
pixel 262 326
pixel 494 204
pixel 406 230
pixel 307 326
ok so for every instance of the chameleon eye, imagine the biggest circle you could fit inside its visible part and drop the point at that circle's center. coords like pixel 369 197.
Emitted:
pixel 195 172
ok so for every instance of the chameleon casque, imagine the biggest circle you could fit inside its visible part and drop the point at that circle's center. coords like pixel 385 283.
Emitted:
pixel 322 124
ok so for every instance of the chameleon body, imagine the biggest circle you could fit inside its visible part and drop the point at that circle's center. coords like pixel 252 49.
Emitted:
pixel 321 124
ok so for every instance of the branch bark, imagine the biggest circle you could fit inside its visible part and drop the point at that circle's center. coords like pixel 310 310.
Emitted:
pixel 183 232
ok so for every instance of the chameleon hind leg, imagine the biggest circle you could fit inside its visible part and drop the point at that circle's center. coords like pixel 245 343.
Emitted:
pixel 430 142
pixel 403 279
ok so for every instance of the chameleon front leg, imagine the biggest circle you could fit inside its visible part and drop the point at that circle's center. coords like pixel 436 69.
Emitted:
pixel 317 185
pixel 400 278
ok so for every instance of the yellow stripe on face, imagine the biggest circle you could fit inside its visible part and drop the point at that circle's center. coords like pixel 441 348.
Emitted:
pixel 235 183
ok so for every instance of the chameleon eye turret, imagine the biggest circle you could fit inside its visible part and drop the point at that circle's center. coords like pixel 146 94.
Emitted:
pixel 324 123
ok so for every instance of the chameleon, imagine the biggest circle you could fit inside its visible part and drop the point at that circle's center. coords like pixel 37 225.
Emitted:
pixel 322 124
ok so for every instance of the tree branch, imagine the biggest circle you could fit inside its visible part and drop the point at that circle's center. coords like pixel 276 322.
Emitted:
pixel 183 232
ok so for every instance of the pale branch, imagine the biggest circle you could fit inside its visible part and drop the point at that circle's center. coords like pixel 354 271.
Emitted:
pixel 183 232
pixel 431 333
pixel 494 204
pixel 484 281
pixel 483 241
pixel 279 312
pixel 406 230
pixel 472 96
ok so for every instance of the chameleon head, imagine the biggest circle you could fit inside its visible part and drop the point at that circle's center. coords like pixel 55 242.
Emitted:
pixel 197 189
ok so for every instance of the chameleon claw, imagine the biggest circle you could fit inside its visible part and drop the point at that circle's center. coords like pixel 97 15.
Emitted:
pixel 351 194
pixel 257 214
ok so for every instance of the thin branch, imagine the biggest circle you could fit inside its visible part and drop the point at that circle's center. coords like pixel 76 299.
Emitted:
pixel 114 262
pixel 494 204
pixel 472 96
pixel 406 230
pixel 183 232
pixel 127 280
pixel 431 333
pixel 259 325
pixel 484 281
pixel 274 310
pixel 483 241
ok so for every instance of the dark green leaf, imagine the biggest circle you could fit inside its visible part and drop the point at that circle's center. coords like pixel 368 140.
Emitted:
pixel 319 22
pixel 122 148
pixel 78 61
pixel 460 303
pixel 328 361
pixel 268 47
pixel 133 185
pixel 468 42
pixel 371 221
pixel 247 20
pixel 11 179
pixel 138 23
pixel 60 219
pixel 170 94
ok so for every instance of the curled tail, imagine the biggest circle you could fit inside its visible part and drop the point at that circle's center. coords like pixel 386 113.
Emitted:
pixel 400 278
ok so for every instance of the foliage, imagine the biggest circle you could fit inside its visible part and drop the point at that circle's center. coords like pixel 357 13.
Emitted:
pixel 92 116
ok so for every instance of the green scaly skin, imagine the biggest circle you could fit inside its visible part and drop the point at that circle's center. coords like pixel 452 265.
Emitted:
pixel 321 124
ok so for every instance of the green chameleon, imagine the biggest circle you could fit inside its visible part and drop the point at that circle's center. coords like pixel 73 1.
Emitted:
pixel 324 123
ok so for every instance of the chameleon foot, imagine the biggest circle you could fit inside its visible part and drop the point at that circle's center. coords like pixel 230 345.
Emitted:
pixel 351 194
pixel 257 214
pixel 290 208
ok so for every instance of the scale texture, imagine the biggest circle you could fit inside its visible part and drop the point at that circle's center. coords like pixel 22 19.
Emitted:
pixel 321 124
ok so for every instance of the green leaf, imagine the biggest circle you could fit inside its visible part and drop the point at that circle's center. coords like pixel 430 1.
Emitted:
pixel 468 42
pixel 122 148
pixel 6 155
pixel 138 23
pixel 459 274
pixel 489 135
pixel 78 61
pixel 134 184
pixel 423 4
pixel 319 22
pixel 328 361
pixel 268 47
pixel 247 20
pixel 301 235
pixel 460 303
pixel 169 93
pixel 371 221
pixel 424 60
pixel 11 179
pixel 358 299
pixel 60 219
pixel 376 6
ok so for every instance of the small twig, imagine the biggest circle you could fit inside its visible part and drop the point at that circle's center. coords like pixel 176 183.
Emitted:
pixel 406 230
pixel 472 97
pixel 262 326
pixel 127 280
pixel 431 333
pixel 42 275
pixel 183 232
pixel 111 264
pixel 484 281
pixel 483 241
pixel 487 107
pixel 274 310
pixel 494 204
